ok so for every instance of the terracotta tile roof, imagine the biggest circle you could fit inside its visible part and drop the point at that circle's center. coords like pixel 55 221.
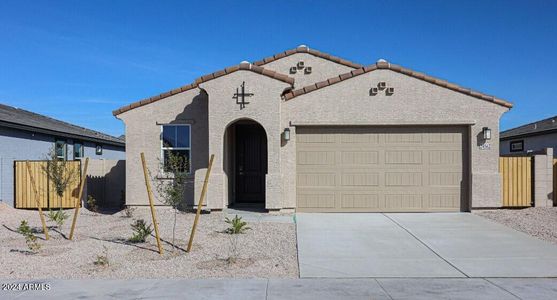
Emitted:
pixel 386 65
pixel 242 66
pixel 305 49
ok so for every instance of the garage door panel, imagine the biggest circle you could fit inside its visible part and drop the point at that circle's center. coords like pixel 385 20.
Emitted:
pixel 380 168
pixel 316 180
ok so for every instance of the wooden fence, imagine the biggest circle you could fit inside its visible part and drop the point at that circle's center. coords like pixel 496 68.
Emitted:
pixel 25 195
pixel 517 181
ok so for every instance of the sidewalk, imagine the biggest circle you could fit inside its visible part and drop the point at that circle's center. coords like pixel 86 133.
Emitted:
pixel 291 289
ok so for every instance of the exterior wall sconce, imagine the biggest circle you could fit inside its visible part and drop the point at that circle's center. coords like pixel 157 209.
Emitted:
pixel 286 134
pixel 486 133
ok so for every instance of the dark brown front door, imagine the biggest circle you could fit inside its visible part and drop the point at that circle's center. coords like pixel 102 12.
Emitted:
pixel 251 163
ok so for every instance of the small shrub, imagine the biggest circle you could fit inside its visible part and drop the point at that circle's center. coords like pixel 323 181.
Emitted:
pixel 32 243
pixel 24 228
pixel 237 226
pixel 141 231
pixel 102 259
pixel 58 217
pixel 92 204
pixel 30 238
pixel 129 211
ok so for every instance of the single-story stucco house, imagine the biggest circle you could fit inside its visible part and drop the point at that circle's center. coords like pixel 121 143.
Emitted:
pixel 309 131
pixel 530 138
pixel 25 135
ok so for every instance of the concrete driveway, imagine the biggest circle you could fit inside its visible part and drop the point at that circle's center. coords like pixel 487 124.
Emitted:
pixel 340 245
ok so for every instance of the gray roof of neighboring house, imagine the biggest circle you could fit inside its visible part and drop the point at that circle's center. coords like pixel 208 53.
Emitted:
pixel 22 119
pixel 544 126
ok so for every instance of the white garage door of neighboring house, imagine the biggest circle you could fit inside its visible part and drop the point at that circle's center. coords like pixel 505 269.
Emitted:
pixel 380 169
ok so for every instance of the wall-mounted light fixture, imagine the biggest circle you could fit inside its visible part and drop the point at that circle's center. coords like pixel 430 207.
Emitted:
pixel 486 133
pixel 286 134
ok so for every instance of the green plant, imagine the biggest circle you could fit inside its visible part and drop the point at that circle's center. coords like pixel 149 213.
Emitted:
pixel 237 226
pixel 141 231
pixel 102 259
pixel 57 216
pixel 172 190
pixel 24 228
pixel 30 238
pixel 59 173
pixel 92 203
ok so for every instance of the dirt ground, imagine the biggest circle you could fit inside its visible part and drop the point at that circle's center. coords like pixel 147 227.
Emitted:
pixel 268 250
pixel 540 222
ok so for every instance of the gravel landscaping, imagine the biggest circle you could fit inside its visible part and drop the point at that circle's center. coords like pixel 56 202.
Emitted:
pixel 267 250
pixel 540 222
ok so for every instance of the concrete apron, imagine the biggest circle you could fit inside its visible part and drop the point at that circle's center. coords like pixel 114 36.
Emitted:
pixel 340 245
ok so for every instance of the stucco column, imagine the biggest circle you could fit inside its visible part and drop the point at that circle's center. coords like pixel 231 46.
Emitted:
pixel 543 178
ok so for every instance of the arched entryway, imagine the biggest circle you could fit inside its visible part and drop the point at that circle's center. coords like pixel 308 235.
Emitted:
pixel 245 163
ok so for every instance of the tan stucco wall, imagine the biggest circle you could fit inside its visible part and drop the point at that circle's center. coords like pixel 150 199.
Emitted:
pixel 414 102
pixel 143 131
pixel 322 69
pixel 264 108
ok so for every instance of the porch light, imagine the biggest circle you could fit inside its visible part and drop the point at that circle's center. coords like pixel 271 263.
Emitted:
pixel 486 133
pixel 286 134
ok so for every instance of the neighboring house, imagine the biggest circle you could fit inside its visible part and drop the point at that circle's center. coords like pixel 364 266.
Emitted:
pixel 529 138
pixel 313 132
pixel 29 136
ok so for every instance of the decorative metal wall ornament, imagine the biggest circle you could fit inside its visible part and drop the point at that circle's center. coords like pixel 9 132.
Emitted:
pixel 241 95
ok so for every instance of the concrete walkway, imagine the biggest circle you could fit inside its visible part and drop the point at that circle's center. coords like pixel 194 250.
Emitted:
pixel 292 289
pixel 418 245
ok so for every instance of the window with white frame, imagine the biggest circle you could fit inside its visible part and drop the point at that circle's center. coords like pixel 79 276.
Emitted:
pixel 176 140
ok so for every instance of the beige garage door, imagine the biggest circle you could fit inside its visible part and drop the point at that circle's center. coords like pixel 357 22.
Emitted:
pixel 380 169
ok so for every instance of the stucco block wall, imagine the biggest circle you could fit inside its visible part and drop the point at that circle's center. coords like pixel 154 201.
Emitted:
pixel 543 178
pixel 533 143
pixel 322 69
pixel 24 145
pixel 143 130
pixel 414 102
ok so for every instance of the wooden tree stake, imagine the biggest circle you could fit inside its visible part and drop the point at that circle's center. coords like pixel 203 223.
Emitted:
pixel 78 200
pixel 150 195
pixel 200 204
pixel 45 230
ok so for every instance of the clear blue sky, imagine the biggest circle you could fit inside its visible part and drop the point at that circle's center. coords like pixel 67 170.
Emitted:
pixel 79 60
